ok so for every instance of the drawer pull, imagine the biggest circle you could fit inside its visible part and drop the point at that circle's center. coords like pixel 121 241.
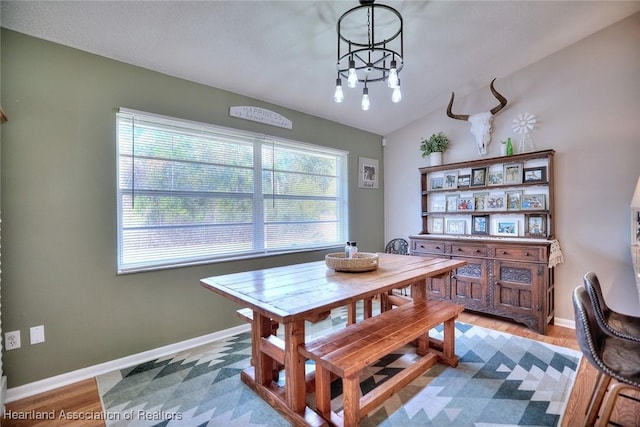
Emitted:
pixel 478 251
pixel 438 247
pixel 504 252
pixel 526 254
pixel 459 249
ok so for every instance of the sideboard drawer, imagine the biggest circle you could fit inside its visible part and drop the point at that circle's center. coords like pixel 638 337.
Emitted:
pixel 468 250
pixel 427 246
pixel 519 252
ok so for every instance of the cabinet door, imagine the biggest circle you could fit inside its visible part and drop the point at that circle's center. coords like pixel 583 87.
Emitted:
pixel 469 284
pixel 516 291
pixel 437 288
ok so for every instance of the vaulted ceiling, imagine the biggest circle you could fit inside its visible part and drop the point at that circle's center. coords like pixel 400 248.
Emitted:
pixel 284 52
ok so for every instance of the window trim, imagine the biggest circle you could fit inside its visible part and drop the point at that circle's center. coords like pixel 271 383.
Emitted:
pixel 258 140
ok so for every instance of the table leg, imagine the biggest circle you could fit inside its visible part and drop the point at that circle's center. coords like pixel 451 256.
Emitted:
pixel 294 365
pixel 419 293
pixel 419 290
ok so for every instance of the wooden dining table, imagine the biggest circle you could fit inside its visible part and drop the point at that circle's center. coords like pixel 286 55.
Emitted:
pixel 293 294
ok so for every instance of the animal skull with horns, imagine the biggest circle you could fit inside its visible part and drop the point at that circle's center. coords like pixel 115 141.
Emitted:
pixel 480 122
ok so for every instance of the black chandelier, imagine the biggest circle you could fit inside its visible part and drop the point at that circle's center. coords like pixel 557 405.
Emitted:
pixel 371 54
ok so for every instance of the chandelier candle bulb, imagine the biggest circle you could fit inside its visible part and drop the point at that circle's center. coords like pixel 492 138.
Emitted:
pixel 396 95
pixel 338 96
pixel 365 99
pixel 352 79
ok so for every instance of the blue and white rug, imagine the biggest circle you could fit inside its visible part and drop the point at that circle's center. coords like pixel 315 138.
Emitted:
pixel 502 380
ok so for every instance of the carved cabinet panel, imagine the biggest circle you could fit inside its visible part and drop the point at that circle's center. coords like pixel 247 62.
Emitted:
pixel 468 284
pixel 516 291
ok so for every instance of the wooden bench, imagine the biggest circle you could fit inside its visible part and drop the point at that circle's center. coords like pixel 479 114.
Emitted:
pixel 347 352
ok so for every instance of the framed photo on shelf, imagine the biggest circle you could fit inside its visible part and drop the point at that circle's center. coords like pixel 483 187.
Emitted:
pixel 456 226
pixel 479 200
pixel 452 202
pixel 506 227
pixel 437 204
pixel 480 224
pixel 512 173
pixel 437 183
pixel 464 181
pixel 478 177
pixel 495 178
pixel 535 225
pixel 514 200
pixel 451 180
pixel 437 225
pixel 533 202
pixel 465 204
pixel 495 202
pixel 538 174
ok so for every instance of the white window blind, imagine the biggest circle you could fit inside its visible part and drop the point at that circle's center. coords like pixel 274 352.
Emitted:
pixel 193 193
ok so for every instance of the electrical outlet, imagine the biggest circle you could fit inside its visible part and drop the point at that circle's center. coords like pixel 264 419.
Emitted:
pixel 37 334
pixel 12 340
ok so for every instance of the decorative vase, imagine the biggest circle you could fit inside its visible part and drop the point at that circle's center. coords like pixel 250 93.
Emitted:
pixel 435 158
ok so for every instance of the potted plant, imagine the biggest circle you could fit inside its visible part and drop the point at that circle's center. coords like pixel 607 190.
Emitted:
pixel 434 146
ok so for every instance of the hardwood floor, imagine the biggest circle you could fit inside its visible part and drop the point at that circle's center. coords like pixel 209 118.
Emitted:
pixel 81 400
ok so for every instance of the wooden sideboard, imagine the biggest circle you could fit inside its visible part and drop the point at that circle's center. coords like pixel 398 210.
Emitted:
pixel 507 279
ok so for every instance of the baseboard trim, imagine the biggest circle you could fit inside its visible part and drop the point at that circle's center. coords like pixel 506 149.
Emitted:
pixel 47 384
pixel 565 323
pixel 20 392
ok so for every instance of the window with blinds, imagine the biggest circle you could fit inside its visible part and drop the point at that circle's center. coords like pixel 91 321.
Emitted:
pixel 192 193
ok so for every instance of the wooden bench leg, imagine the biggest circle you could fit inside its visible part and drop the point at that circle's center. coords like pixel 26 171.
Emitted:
pixel 323 391
pixel 449 343
pixel 351 401
pixel 351 313
pixel 368 307
pixel 351 310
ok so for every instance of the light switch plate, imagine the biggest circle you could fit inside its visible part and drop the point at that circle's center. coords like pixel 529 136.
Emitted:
pixel 37 334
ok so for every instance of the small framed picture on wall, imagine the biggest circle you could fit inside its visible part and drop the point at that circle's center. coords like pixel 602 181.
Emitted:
pixel 368 173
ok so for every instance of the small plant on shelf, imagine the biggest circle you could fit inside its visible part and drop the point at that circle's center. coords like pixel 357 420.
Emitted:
pixel 437 143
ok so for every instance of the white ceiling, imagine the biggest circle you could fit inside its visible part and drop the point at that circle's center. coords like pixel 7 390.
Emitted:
pixel 284 52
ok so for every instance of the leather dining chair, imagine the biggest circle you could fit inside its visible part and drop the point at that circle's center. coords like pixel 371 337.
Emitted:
pixel 618 324
pixel 614 358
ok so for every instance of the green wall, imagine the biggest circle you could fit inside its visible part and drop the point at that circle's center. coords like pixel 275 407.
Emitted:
pixel 59 208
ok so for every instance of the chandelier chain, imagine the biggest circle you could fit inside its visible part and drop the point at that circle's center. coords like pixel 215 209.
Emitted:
pixel 369 27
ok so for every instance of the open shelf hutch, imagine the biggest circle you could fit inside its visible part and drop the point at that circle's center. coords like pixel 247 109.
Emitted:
pixel 496 214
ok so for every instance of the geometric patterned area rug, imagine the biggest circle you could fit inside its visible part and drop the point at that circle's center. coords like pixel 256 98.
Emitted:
pixel 501 380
